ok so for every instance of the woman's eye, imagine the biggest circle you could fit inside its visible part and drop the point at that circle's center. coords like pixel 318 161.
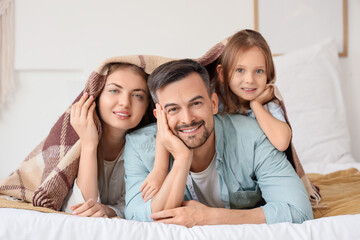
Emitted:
pixel 139 96
pixel 113 90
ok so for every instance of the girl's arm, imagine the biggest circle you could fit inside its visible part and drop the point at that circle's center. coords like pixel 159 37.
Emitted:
pixel 157 176
pixel 278 132
pixel 81 120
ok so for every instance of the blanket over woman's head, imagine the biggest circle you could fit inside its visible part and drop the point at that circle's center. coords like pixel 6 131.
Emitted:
pixel 48 172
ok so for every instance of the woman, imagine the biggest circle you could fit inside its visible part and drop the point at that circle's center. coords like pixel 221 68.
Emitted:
pixel 123 105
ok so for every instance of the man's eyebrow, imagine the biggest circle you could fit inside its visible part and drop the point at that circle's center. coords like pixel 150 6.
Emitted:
pixel 191 100
pixel 196 98
pixel 170 105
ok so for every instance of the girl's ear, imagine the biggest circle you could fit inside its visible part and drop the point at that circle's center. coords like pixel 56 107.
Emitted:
pixel 154 112
pixel 220 73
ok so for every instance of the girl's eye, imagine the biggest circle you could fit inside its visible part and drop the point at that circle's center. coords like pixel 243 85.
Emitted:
pixel 260 71
pixel 240 70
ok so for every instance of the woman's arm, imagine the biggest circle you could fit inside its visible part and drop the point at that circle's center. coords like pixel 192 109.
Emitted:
pixel 81 120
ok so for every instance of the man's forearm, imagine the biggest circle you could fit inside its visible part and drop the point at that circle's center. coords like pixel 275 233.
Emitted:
pixel 171 193
pixel 235 216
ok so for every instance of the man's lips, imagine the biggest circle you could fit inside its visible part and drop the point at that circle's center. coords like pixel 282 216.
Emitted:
pixel 190 130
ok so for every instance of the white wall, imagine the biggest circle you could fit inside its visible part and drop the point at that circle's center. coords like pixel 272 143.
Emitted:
pixel 58 44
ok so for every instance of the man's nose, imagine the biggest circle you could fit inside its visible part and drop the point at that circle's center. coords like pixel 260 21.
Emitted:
pixel 187 116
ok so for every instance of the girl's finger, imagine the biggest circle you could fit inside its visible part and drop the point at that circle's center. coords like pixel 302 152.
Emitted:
pixel 143 186
pixel 150 195
pixel 143 193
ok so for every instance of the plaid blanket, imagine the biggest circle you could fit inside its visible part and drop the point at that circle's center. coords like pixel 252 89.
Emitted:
pixel 48 172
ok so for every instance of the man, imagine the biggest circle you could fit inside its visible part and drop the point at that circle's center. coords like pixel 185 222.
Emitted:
pixel 223 164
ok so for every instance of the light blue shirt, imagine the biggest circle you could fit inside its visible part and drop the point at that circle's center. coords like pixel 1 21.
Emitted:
pixel 251 172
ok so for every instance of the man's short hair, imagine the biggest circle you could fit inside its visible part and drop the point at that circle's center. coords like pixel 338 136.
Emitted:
pixel 174 71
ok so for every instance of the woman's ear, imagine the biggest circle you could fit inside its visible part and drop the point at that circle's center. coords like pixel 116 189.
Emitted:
pixel 220 73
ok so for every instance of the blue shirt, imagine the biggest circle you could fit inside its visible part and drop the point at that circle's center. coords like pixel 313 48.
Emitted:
pixel 251 172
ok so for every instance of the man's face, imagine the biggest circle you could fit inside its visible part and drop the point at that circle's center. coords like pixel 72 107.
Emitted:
pixel 189 109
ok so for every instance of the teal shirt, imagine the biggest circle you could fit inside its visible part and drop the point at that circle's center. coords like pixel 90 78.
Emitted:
pixel 252 172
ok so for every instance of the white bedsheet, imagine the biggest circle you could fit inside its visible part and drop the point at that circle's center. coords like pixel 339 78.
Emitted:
pixel 17 224
pixel 26 224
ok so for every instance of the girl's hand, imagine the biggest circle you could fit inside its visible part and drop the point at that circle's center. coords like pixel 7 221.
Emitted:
pixel 152 184
pixel 166 137
pixel 266 96
pixel 81 119
pixel 90 208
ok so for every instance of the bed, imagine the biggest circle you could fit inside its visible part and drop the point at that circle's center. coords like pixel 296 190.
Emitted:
pixel 309 82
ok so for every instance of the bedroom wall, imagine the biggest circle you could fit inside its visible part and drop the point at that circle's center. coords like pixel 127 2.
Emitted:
pixel 58 44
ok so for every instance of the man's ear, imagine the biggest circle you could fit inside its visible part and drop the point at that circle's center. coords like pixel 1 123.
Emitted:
pixel 215 103
pixel 220 73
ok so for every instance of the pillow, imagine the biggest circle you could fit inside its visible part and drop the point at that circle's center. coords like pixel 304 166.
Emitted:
pixel 309 82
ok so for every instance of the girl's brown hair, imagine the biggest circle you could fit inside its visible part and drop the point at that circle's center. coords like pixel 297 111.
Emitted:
pixel 240 42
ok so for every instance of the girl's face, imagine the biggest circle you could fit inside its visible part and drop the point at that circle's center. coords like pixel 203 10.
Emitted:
pixel 249 78
pixel 123 101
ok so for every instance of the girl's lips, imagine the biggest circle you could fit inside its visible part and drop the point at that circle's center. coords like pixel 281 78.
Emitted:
pixel 248 89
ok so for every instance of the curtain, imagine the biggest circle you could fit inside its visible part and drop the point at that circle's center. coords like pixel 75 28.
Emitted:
pixel 6 48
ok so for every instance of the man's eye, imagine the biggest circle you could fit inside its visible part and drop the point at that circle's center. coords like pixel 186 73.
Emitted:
pixel 171 110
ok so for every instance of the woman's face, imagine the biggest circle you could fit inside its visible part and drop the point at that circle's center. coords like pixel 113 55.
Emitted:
pixel 249 78
pixel 123 101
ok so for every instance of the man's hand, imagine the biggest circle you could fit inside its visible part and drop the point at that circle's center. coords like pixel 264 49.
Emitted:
pixel 167 138
pixel 191 213
pixel 90 208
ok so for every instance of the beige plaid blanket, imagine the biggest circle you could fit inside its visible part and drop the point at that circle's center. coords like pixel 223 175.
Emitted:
pixel 47 174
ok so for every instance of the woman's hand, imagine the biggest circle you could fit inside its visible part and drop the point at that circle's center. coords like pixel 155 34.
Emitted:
pixel 81 119
pixel 90 208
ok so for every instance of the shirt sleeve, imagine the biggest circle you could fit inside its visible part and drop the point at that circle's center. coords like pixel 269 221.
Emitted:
pixel 135 174
pixel 284 193
pixel 276 111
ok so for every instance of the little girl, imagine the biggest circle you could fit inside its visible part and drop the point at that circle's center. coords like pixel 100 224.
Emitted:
pixel 123 104
pixel 243 75
pixel 246 68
